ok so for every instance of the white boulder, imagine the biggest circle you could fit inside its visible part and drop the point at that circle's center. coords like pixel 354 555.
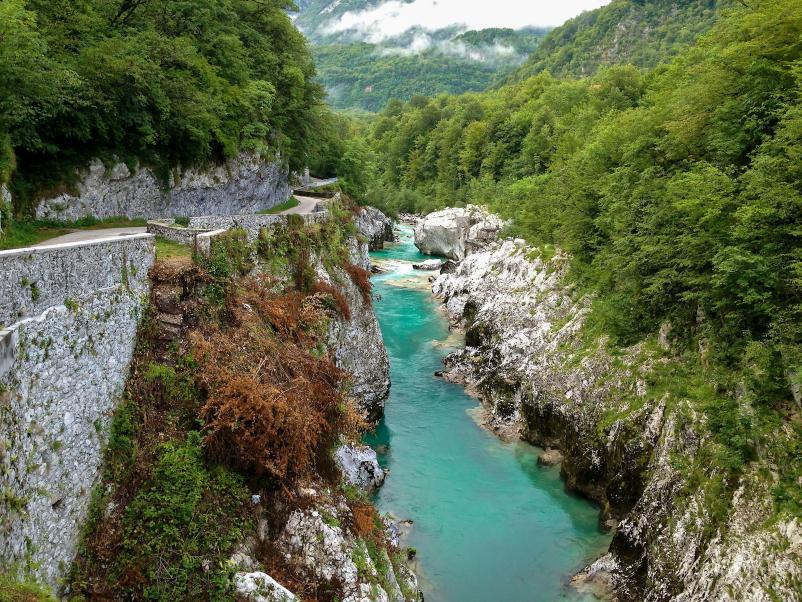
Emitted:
pixel 360 467
pixel 261 587
pixel 457 232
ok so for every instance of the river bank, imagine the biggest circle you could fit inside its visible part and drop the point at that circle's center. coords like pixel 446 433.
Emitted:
pixel 637 427
pixel 489 523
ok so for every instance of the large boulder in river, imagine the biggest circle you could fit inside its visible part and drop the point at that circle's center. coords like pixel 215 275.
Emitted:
pixel 457 232
pixel 376 227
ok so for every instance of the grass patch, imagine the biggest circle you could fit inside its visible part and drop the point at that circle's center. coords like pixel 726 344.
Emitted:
pixel 290 203
pixel 12 591
pixel 167 249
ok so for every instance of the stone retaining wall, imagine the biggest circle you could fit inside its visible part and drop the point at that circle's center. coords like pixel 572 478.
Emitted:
pixel 63 368
pixel 247 184
pixel 252 224
pixel 31 280
pixel 167 228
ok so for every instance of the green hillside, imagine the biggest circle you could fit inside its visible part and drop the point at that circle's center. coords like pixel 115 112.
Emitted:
pixel 359 74
pixel 366 76
pixel 638 32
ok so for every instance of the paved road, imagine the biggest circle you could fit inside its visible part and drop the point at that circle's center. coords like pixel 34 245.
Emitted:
pixel 87 235
pixel 307 205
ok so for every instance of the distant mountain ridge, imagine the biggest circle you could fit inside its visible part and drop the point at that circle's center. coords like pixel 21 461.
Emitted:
pixel 643 33
pixel 364 74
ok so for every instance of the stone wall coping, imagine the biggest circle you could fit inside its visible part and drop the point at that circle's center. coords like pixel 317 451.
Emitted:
pixel 43 250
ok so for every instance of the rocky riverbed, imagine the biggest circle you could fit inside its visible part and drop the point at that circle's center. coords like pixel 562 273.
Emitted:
pixel 527 357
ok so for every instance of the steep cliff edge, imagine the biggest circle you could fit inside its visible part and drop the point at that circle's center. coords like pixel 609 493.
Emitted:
pixel 635 433
pixel 231 469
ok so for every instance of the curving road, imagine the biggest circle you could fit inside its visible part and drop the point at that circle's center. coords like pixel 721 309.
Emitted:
pixel 307 205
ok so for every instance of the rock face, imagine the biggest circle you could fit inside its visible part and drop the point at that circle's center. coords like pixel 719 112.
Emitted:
pixel 5 203
pixel 359 347
pixel 622 446
pixel 376 227
pixel 360 467
pixel 247 184
pixel 357 343
pixel 456 233
pixel 261 587
pixel 318 543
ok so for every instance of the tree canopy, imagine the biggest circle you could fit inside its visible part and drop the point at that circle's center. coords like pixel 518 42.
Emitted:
pixel 166 82
pixel 677 192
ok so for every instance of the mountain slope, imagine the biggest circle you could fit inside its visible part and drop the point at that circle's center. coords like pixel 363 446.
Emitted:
pixel 364 69
pixel 366 76
pixel 640 32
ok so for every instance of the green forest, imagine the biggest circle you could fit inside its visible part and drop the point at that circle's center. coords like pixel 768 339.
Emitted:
pixel 677 192
pixel 364 76
pixel 162 82
pixel 643 33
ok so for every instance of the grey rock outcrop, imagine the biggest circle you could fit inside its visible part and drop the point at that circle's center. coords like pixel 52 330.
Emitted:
pixel 527 358
pixel 261 587
pixel 5 203
pixel 246 184
pixel 317 542
pixel 360 467
pixel 357 343
pixel 456 233
pixel 376 227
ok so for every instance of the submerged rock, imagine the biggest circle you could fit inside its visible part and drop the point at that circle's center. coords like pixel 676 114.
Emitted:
pixel 550 457
pixel 360 467
pixel 430 265
pixel 456 233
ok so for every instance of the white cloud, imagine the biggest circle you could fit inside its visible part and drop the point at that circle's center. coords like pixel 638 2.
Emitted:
pixel 421 42
pixel 394 17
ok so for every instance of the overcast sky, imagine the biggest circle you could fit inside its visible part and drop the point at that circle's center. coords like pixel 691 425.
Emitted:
pixel 393 17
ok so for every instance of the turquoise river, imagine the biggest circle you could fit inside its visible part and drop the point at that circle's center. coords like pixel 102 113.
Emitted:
pixel 489 524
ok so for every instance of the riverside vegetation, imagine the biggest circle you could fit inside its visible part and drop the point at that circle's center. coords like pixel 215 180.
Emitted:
pixel 676 194
pixel 243 398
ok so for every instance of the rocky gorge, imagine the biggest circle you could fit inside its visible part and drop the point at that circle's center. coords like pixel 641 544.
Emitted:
pixel 623 442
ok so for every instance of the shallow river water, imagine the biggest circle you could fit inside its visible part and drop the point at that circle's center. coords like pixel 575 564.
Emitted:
pixel 489 524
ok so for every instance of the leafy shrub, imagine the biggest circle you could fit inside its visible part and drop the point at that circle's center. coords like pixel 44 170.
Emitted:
pixel 179 529
pixel 361 278
pixel 273 408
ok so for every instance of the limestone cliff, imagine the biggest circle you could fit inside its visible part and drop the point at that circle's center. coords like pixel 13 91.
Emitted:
pixel 357 342
pixel 246 184
pixel 625 445
pixel 376 227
